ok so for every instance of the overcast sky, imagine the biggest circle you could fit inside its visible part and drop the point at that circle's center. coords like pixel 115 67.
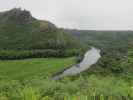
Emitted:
pixel 80 14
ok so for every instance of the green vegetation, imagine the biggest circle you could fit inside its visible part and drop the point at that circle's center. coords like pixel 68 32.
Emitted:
pixel 116 62
pixel 105 40
pixel 110 79
pixel 22 36
pixel 30 68
pixel 114 48
pixel 19 31
pixel 92 87
pixel 15 54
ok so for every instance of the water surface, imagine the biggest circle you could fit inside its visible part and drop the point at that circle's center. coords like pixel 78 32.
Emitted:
pixel 90 58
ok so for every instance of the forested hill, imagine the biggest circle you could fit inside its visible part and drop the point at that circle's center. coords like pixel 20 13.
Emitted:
pixel 19 30
pixel 116 47
pixel 103 39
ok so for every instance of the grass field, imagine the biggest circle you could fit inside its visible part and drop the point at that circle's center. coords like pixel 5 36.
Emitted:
pixel 41 67
pixel 27 80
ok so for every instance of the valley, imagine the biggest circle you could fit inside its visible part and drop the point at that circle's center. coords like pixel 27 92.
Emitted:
pixel 39 61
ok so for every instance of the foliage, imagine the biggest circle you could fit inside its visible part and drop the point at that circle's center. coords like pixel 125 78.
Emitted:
pixel 114 46
pixel 29 94
pixel 22 36
pixel 91 88
pixel 20 32
pixel 30 68
pixel 23 54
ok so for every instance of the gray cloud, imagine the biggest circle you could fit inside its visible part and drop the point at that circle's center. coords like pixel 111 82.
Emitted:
pixel 81 14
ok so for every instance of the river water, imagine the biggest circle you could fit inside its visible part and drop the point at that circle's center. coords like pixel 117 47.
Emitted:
pixel 90 58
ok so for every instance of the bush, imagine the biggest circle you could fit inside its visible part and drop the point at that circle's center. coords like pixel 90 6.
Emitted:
pixel 91 88
pixel 5 54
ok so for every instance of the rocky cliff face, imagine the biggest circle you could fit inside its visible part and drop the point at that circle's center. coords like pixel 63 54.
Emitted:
pixel 18 15
pixel 21 16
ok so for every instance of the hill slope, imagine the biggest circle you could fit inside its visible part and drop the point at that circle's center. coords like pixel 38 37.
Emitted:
pixel 103 39
pixel 20 31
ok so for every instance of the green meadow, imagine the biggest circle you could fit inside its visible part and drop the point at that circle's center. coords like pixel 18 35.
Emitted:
pixel 37 67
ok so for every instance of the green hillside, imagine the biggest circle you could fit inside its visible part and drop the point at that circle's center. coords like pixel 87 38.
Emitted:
pixel 20 31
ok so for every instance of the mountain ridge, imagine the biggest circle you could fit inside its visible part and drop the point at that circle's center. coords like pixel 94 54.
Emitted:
pixel 19 22
pixel 20 31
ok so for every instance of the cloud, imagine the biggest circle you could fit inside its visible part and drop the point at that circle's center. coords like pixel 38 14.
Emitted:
pixel 81 14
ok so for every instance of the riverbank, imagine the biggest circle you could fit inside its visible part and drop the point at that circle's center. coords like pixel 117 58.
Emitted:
pixel 90 58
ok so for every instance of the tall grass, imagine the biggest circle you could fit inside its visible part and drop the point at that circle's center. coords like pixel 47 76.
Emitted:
pixel 93 88
pixel 29 94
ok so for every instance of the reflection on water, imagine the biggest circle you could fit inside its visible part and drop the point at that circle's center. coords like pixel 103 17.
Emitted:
pixel 90 58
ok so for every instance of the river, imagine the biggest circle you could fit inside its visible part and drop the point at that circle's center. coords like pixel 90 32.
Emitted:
pixel 90 58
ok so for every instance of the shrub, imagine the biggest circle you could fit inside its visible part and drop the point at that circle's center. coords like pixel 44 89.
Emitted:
pixel 5 54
